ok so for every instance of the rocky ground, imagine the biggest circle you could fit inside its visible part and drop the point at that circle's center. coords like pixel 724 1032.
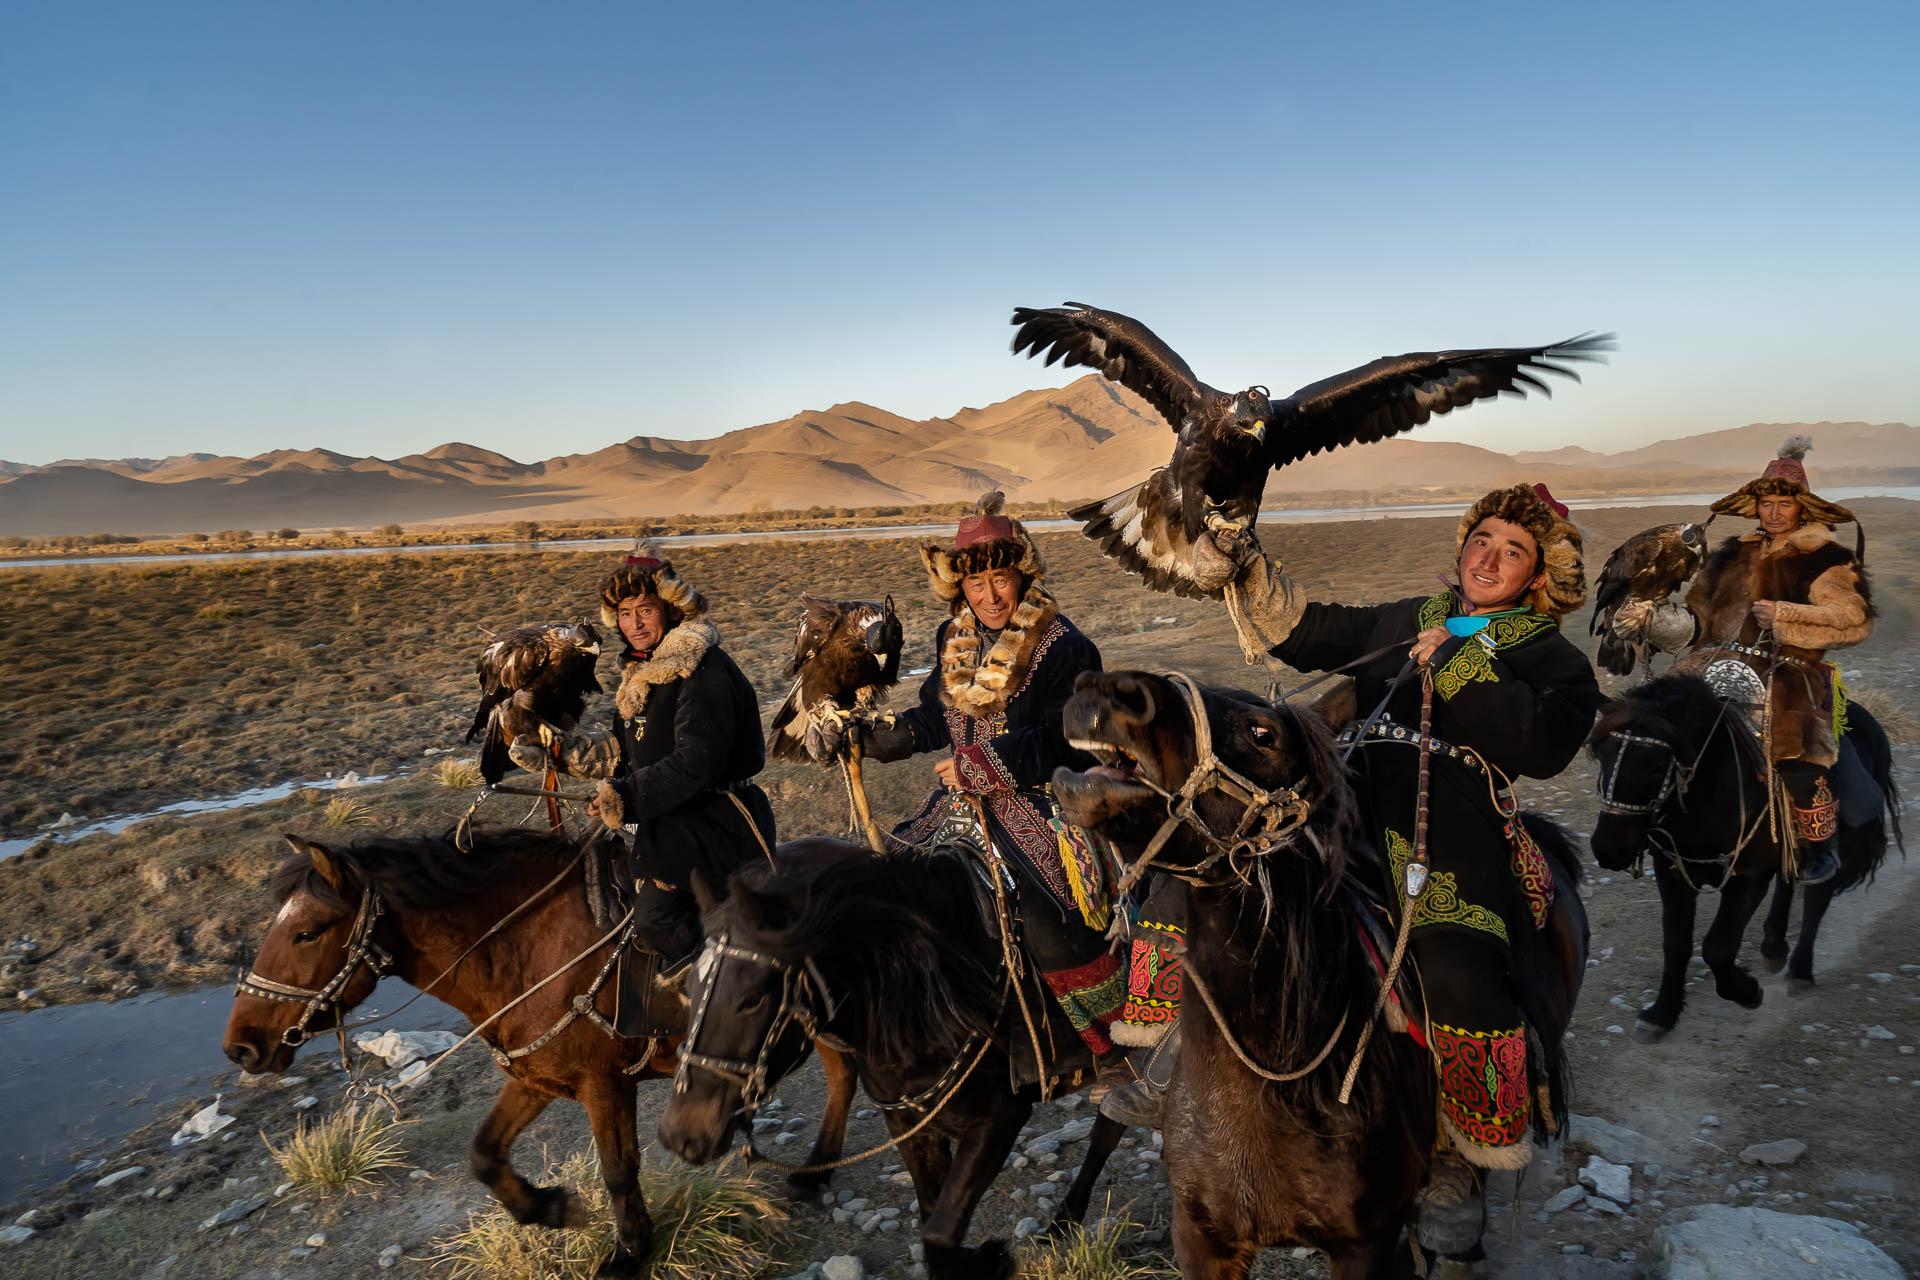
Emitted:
pixel 1805 1107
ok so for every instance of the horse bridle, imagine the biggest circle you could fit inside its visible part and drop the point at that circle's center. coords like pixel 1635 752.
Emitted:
pixel 1270 818
pixel 1674 781
pixel 361 950
pixel 800 986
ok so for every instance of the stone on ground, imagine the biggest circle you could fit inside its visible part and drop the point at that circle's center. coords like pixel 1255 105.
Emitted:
pixel 1783 1151
pixel 1614 1181
pixel 1721 1242
pixel 1603 1137
pixel 843 1266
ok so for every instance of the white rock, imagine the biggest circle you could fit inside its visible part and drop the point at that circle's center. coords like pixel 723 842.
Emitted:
pixel 202 1124
pixel 1565 1198
pixel 1880 977
pixel 398 1048
pixel 118 1176
pixel 1783 1151
pixel 1605 1138
pixel 1720 1242
pixel 1878 1032
pixel 318 1240
pixel 843 1266
pixel 390 1255
pixel 307 1103
pixel 1025 1227
pixel 15 1234
pixel 1614 1181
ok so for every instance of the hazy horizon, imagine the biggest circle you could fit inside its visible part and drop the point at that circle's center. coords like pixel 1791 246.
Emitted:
pixel 376 230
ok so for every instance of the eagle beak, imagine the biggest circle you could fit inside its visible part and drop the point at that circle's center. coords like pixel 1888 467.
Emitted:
pixel 1259 432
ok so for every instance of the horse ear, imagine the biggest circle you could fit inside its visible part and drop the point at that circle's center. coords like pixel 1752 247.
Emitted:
pixel 703 895
pixel 317 854
pixel 755 910
pixel 1336 702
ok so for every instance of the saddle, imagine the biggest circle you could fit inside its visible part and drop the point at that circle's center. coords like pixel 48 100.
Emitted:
pixel 1743 694
pixel 636 974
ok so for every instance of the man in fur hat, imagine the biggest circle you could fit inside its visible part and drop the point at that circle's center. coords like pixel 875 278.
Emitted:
pixel 1008 660
pixel 1777 599
pixel 1523 698
pixel 676 767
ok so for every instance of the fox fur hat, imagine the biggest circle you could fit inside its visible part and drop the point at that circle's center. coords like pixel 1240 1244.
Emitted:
pixel 1564 587
pixel 987 539
pixel 645 575
pixel 1785 476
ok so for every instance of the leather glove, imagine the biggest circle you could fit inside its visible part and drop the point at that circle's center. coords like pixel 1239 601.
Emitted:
pixel 1265 606
pixel 883 742
pixel 527 752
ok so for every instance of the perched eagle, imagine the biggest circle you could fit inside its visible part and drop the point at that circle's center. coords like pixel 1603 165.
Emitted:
pixel 1225 444
pixel 846 655
pixel 530 676
pixel 1641 573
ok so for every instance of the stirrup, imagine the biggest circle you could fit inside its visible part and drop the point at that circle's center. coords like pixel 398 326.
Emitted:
pixel 1818 868
pixel 1452 1208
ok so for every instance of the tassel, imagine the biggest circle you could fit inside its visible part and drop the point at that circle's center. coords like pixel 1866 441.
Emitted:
pixel 1096 914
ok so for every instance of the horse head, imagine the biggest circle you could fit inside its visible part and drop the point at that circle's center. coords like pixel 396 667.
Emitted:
pixel 320 958
pixel 1150 735
pixel 1646 745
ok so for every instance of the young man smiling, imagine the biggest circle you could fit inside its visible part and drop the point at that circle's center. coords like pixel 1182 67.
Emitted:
pixel 1522 697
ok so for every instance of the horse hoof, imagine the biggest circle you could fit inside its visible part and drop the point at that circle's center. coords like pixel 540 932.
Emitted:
pixel 989 1261
pixel 629 1266
pixel 1649 1032
pixel 1773 961
pixel 804 1185
pixel 1799 986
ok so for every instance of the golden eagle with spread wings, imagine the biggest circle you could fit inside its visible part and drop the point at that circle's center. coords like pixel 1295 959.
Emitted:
pixel 846 655
pixel 531 676
pixel 1641 573
pixel 1226 443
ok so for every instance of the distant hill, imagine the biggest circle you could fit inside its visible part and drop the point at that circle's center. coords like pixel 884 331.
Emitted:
pixel 1086 439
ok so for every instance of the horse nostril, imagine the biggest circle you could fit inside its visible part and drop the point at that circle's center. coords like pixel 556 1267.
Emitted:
pixel 242 1055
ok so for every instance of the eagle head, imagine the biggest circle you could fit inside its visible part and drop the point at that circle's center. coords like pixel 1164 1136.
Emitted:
pixel 584 638
pixel 1694 538
pixel 1252 411
pixel 884 639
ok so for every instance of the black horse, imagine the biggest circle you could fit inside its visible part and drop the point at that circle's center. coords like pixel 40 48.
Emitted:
pixel 894 958
pixel 1683 777
pixel 1283 930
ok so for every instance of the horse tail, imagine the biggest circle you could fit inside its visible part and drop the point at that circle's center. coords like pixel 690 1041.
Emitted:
pixel 1862 850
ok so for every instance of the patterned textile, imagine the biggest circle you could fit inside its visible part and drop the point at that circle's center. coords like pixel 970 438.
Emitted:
pixel 1531 870
pixel 1472 662
pixel 1156 976
pixel 1091 995
pixel 1821 819
pixel 1483 1083
pixel 1440 902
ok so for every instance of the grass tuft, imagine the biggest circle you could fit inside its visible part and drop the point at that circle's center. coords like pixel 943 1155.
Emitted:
pixel 342 812
pixel 1106 1251
pixel 341 1152
pixel 462 775
pixel 713 1223
pixel 1902 726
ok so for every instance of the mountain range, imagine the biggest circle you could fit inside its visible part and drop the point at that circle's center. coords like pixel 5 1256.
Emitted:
pixel 1086 439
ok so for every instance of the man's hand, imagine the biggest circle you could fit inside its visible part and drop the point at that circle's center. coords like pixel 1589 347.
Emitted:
pixel 1426 643
pixel 527 752
pixel 948 773
pixel 593 807
pixel 1765 612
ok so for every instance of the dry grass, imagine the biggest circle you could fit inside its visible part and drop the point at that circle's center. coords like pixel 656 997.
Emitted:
pixel 1888 707
pixel 345 1151
pixel 462 775
pixel 342 812
pixel 713 1223
pixel 1108 1250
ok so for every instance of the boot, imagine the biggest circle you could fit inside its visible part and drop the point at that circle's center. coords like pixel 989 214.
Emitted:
pixel 1816 822
pixel 667 923
pixel 1142 1100
pixel 1453 1213
pixel 1111 1070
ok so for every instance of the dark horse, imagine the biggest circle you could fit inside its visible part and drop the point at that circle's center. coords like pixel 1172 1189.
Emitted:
pixel 1275 934
pixel 893 957
pixel 1683 778
pixel 413 908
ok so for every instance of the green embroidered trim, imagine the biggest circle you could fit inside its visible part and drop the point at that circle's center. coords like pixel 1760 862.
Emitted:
pixel 1440 901
pixel 1839 704
pixel 1470 663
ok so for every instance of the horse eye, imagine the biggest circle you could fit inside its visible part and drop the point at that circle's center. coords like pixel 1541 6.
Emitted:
pixel 1262 735
pixel 306 935
pixel 758 1006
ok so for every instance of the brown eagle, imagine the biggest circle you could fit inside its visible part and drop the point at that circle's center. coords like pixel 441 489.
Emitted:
pixel 1641 573
pixel 1225 444
pixel 530 676
pixel 846 655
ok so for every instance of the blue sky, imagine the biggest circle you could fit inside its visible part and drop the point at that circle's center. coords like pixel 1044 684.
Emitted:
pixel 378 227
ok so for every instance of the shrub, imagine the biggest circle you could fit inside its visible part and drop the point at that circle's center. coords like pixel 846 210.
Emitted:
pixel 712 1223
pixel 462 775
pixel 342 1152
pixel 342 812
pixel 287 535
pixel 235 535
pixel 1107 1251
pixel 524 530
pixel 196 537
pixel 390 530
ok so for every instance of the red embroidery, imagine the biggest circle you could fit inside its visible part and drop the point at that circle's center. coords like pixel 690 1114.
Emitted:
pixel 1483 1083
pixel 1531 869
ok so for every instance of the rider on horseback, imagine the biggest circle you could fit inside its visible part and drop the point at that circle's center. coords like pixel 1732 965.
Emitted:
pixel 1008 661
pixel 1775 600
pixel 676 767
pixel 1510 696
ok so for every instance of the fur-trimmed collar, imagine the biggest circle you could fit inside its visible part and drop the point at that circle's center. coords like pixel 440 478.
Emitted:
pixel 674 658
pixel 984 688
pixel 1807 537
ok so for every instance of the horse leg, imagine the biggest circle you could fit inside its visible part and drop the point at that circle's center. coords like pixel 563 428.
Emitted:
pixel 1677 906
pixel 977 1161
pixel 1372 1261
pixel 490 1156
pixel 1739 899
pixel 1813 911
pixel 831 1139
pixel 1773 939
pixel 1105 1137
pixel 610 1110
pixel 1201 1252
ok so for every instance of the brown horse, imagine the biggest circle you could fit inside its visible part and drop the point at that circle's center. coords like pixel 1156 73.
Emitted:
pixel 1280 893
pixel 420 908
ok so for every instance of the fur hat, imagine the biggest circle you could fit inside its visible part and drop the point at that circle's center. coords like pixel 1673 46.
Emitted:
pixel 1534 509
pixel 645 575
pixel 1785 476
pixel 987 539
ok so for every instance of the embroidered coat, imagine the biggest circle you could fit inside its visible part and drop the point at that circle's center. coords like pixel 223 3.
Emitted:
pixel 1519 693
pixel 1825 603
pixel 685 733
pixel 1000 713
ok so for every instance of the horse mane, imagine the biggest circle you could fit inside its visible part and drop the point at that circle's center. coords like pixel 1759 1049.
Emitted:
pixel 903 930
pixel 419 872
pixel 1684 705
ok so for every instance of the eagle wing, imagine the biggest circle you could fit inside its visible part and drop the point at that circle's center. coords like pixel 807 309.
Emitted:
pixel 814 627
pixel 551 667
pixel 832 665
pixel 1643 571
pixel 1120 347
pixel 1396 393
